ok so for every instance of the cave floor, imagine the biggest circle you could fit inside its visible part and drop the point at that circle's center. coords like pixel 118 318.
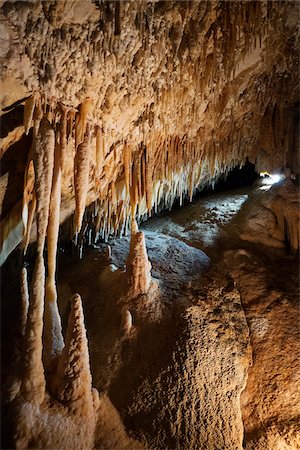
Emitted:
pixel 211 360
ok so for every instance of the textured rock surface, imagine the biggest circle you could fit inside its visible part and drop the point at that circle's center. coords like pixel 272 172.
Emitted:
pixel 275 220
pixel 270 402
pixel 138 267
pixel 125 107
pixel 186 338
pixel 176 93
pixel 173 261
pixel 209 360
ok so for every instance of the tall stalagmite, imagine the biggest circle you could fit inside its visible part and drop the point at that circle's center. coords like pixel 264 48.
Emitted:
pixel 138 267
pixel 73 382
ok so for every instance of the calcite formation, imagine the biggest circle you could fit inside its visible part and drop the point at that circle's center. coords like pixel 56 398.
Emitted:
pixel 275 221
pixel 148 101
pixel 110 112
pixel 138 266
pixel 270 401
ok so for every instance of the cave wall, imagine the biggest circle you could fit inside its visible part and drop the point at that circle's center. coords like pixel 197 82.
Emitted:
pixel 124 107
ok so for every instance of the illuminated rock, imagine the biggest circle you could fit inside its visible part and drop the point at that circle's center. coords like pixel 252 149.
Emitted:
pixel 138 267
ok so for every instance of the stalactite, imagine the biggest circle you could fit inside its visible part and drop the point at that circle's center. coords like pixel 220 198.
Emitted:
pixel 81 121
pixel 81 178
pixel 31 212
pixel 28 203
pixel 43 144
pixel 99 151
pixel 63 135
pixel 143 174
pixel 28 113
pixel 53 340
pixel 70 121
pixel 138 177
pixel 148 178
pixel 134 191
pixel 127 166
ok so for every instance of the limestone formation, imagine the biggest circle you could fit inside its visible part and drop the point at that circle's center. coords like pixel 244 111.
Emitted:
pixel 72 408
pixel 25 298
pixel 73 382
pixel 126 322
pixel 138 267
pixel 53 340
pixel 275 220
pixel 33 383
pixel 163 126
pixel 112 111
pixel 81 178
pixel 43 145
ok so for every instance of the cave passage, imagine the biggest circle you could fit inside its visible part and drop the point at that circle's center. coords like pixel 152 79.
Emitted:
pixel 150 224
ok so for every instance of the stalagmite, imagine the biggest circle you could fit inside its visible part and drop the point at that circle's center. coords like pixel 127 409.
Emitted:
pixel 33 380
pixel 24 299
pixel 73 382
pixel 81 178
pixel 138 265
pixel 126 324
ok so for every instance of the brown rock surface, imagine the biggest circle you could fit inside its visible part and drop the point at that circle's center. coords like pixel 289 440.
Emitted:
pixel 270 402
pixel 112 111
pixel 176 94
pixel 275 218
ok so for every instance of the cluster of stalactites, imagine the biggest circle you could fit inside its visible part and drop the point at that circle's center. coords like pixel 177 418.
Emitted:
pixel 153 177
pixel 153 170
pixel 125 180
pixel 131 183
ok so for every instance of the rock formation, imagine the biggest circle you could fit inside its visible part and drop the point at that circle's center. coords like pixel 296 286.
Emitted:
pixel 138 267
pixel 275 221
pixel 112 111
pixel 163 91
pixel 269 403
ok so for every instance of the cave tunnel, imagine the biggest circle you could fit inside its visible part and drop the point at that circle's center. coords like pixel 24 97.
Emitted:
pixel 149 192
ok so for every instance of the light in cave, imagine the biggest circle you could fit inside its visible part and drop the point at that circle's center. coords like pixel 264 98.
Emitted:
pixel 148 275
pixel 271 178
